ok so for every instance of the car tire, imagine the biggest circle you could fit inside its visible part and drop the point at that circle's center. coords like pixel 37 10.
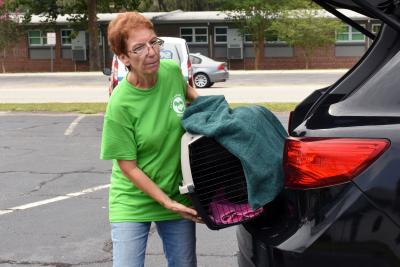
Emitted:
pixel 211 84
pixel 201 80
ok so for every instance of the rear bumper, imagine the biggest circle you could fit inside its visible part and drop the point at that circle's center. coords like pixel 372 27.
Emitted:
pixel 345 233
pixel 220 76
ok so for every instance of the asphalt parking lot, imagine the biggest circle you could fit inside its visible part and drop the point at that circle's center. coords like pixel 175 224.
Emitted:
pixel 53 197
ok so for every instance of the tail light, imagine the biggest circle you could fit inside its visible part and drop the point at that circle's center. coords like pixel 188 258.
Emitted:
pixel 320 162
pixel 290 122
pixel 221 67
pixel 114 76
pixel 190 72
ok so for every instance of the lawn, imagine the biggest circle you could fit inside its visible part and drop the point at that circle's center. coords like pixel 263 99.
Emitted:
pixel 94 108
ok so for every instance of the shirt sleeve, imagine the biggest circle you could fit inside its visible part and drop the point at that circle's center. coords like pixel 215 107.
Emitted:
pixel 118 141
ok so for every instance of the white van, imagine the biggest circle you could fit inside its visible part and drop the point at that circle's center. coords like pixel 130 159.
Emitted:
pixel 173 48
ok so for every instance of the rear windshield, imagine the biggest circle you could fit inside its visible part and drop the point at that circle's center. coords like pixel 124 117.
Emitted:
pixel 171 51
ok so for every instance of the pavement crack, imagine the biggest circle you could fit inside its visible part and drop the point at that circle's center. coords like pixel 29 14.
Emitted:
pixel 57 176
pixel 57 173
pixel 40 125
pixel 54 264
pixel 41 184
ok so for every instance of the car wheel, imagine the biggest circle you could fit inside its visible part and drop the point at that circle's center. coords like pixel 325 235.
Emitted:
pixel 201 80
pixel 210 84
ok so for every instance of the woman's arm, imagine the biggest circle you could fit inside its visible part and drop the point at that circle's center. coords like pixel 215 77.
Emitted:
pixel 144 183
pixel 191 93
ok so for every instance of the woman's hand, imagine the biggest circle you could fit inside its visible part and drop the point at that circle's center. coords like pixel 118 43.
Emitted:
pixel 185 212
pixel 191 93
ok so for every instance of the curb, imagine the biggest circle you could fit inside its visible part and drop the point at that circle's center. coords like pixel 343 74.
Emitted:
pixel 231 72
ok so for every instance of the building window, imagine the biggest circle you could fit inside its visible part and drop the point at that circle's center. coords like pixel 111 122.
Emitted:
pixel 269 37
pixel 376 28
pixel 272 37
pixel 220 35
pixel 66 39
pixel 37 38
pixel 349 34
pixel 195 35
pixel 248 38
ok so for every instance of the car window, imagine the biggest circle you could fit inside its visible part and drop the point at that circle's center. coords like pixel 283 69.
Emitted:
pixel 166 54
pixel 195 60
pixel 170 51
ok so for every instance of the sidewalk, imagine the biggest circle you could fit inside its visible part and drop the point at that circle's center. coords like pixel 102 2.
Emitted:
pixel 231 72
pixel 241 87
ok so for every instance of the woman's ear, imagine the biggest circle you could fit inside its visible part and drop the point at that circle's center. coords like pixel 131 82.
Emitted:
pixel 124 59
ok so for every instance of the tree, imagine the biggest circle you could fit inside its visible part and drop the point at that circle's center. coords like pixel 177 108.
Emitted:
pixel 255 17
pixel 186 5
pixel 306 29
pixel 82 12
pixel 10 32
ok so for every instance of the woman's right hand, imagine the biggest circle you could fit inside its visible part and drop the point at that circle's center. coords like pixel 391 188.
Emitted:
pixel 185 212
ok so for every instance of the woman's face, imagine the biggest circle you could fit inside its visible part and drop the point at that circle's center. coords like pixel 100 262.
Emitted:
pixel 141 56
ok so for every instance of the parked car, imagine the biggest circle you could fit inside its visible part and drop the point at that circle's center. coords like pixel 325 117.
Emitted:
pixel 207 71
pixel 341 202
pixel 173 48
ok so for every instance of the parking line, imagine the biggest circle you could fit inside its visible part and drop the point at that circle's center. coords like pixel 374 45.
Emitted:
pixel 55 199
pixel 73 125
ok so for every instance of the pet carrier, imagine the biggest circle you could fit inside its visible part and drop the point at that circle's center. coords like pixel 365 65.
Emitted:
pixel 215 181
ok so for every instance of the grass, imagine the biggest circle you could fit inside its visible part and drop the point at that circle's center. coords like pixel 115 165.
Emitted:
pixel 84 108
pixel 94 108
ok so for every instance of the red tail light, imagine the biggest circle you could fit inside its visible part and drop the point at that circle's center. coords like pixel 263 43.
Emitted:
pixel 319 162
pixel 190 72
pixel 290 122
pixel 221 67
pixel 114 76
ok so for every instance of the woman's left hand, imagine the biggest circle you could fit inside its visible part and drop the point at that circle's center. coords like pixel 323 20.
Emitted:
pixel 185 212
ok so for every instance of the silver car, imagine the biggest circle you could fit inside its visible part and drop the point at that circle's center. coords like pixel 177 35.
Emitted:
pixel 207 71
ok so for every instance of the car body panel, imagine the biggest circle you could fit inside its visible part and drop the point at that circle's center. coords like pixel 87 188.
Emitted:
pixel 203 64
pixel 354 223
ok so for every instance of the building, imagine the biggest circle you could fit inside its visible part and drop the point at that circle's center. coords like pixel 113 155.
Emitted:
pixel 208 32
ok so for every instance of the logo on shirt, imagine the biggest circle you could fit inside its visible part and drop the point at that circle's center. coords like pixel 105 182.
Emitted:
pixel 178 105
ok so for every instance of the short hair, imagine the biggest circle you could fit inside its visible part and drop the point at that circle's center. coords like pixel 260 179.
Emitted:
pixel 120 27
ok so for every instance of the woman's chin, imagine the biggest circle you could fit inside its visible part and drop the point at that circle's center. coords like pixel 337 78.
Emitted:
pixel 152 68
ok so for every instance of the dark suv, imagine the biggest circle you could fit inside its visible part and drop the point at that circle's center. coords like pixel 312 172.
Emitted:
pixel 341 202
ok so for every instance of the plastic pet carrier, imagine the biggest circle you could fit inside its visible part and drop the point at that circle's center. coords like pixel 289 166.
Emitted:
pixel 215 181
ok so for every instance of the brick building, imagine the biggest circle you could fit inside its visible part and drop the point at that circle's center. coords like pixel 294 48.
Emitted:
pixel 208 32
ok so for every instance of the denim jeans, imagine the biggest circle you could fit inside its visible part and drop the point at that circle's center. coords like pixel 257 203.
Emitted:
pixel 130 240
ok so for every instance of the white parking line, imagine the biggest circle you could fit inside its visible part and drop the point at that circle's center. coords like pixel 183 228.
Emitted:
pixel 73 125
pixel 55 199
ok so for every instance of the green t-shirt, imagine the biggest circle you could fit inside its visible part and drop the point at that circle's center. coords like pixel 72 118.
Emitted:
pixel 144 125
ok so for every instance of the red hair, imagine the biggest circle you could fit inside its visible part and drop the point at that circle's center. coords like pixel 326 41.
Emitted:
pixel 120 27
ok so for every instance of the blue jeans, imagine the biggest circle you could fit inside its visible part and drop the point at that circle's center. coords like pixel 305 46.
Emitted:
pixel 130 240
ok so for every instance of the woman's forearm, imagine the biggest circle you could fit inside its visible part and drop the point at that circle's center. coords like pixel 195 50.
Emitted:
pixel 191 93
pixel 143 182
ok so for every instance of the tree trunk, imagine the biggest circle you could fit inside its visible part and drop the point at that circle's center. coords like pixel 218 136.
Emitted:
pixel 307 55
pixel 94 50
pixel 179 4
pixel 3 67
pixel 156 5
pixel 259 50
pixel 162 5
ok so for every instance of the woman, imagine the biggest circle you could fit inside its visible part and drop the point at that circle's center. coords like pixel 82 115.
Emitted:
pixel 141 134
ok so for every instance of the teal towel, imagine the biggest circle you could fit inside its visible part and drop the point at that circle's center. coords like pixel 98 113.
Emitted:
pixel 253 134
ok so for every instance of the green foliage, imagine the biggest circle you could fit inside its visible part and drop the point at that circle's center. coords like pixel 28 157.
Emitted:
pixel 170 5
pixel 306 29
pixel 93 108
pixel 83 13
pixel 10 31
pixel 256 17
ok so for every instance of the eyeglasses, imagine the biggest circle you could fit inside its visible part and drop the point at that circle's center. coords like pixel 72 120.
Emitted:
pixel 142 49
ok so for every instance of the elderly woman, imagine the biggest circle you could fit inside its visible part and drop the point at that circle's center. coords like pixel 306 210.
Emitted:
pixel 141 134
